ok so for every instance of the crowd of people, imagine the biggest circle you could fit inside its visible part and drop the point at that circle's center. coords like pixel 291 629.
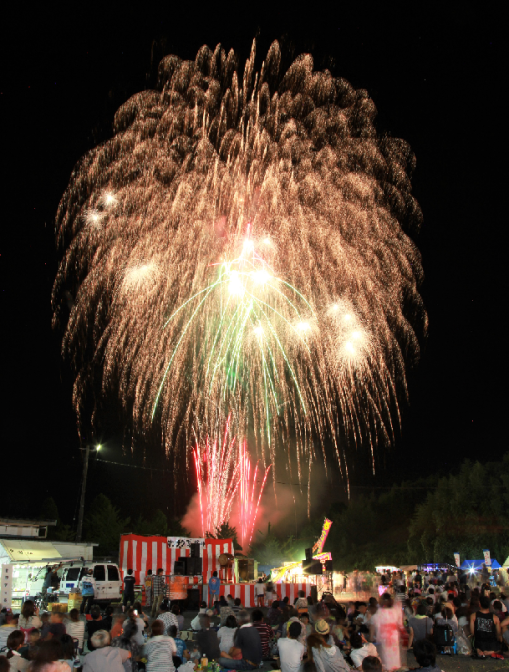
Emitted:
pixel 422 613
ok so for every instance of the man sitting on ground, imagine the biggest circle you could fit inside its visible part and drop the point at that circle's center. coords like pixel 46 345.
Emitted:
pixel 291 650
pixel 247 639
pixel 264 630
pixel 486 629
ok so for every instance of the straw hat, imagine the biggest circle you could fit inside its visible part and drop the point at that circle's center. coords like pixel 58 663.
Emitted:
pixel 322 627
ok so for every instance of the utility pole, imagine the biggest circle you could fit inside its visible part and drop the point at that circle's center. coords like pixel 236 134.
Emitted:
pixel 83 489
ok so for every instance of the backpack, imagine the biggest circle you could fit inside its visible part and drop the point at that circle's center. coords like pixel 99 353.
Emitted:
pixel 443 635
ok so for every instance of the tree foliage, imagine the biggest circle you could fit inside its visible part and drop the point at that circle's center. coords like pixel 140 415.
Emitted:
pixel 224 531
pixel 104 525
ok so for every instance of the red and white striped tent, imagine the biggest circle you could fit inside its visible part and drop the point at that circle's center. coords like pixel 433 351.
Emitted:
pixel 139 553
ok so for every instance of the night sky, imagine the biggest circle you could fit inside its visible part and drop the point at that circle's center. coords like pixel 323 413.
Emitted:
pixel 437 80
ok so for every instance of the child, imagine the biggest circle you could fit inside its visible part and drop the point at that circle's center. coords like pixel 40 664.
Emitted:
pixel 182 650
pixel 371 664
pixel 117 627
pixel 76 628
pixel 45 624
pixel 31 647
pixel 56 628
pixel 14 642
pixel 361 649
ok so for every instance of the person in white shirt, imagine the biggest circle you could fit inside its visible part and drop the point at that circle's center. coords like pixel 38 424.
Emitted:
pixel 361 648
pixel 290 649
pixel 226 634
pixel 260 592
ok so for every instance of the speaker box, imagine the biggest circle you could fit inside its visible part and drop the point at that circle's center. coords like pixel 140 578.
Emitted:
pixel 309 554
pixel 313 567
pixel 179 567
pixel 329 566
pixel 193 598
pixel 314 594
pixel 193 566
pixel 195 550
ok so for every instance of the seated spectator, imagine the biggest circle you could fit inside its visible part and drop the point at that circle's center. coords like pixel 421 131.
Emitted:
pixel 103 656
pixel 291 651
pixel 76 627
pixel 48 658
pixel 167 617
pixel 371 664
pixel 195 623
pixel 108 617
pixel 159 650
pixel 15 642
pixel 56 628
pixel 361 649
pixel 301 602
pixel 448 618
pixel 307 628
pixel 420 625
pixel 45 624
pixel 486 629
pixel 29 617
pixel 247 639
pixel 224 611
pixel 265 631
pixel 207 640
pixel 182 654
pixel 117 626
pixel 128 642
pixel 323 629
pixel 230 600
pixel 274 615
pixel 237 606
pixel 426 654
pixel 226 635
pixel 4 663
pixel 94 625
pixel 136 633
pixel 9 626
pixel 67 656
pixel 326 658
pixel 175 610
pixel 28 651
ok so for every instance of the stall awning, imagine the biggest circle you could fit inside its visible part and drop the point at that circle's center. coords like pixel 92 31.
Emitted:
pixel 26 551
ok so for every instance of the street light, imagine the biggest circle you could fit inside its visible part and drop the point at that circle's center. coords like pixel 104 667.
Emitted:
pixel 83 488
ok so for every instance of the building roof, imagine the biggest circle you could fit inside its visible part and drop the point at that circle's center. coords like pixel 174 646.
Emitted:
pixel 27 523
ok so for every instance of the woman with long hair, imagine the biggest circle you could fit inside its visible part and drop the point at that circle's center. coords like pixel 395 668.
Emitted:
pixel 14 642
pixel 48 658
pixel 29 617
pixel 326 658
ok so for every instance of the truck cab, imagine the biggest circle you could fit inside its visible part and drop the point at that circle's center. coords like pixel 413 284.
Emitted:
pixel 107 580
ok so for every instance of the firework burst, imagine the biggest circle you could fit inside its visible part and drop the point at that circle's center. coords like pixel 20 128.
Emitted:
pixel 239 245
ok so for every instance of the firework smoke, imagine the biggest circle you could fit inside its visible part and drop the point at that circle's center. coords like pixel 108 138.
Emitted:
pixel 239 245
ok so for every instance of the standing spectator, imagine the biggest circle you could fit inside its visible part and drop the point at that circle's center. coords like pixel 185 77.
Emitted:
pixel 247 639
pixel 87 591
pixel 159 650
pixel 387 625
pixel 148 589
pixel 128 642
pixel 47 581
pixel 55 579
pixel 269 593
pixel 157 591
pixel 290 649
pixel 214 586
pixel 128 596
pixel 264 630
pixel 104 658
pixel 76 627
pixel 260 592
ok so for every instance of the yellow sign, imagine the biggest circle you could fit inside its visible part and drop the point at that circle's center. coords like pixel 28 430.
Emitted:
pixel 318 547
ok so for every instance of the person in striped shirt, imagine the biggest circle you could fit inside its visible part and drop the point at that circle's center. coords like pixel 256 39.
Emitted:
pixel 265 631
pixel 159 650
